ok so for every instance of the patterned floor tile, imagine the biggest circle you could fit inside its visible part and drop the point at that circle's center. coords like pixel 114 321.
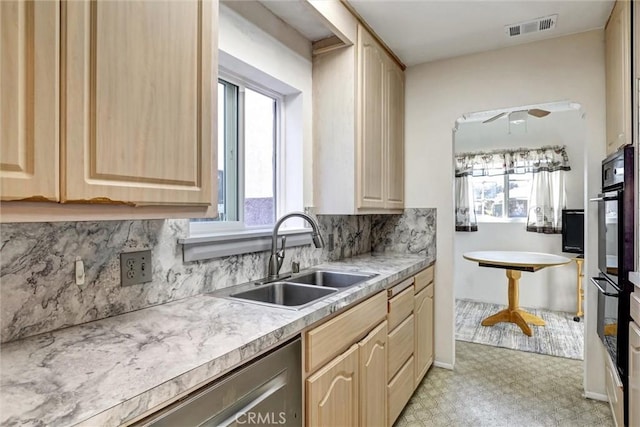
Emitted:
pixel 498 387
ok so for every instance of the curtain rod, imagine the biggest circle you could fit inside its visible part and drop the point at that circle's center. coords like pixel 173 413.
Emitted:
pixel 511 150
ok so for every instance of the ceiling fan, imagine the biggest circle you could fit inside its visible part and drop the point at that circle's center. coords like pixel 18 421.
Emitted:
pixel 519 116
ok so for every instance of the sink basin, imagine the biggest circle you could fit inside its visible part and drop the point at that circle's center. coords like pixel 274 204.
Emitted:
pixel 331 279
pixel 283 294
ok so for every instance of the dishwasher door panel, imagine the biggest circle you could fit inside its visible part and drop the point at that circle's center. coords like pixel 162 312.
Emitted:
pixel 266 391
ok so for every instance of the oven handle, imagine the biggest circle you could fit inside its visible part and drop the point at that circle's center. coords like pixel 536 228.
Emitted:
pixel 604 199
pixel 595 281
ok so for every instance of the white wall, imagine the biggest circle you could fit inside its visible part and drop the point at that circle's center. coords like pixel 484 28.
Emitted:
pixel 290 68
pixel 550 288
pixel 566 68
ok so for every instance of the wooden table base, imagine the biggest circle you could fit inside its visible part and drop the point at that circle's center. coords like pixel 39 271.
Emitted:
pixel 513 313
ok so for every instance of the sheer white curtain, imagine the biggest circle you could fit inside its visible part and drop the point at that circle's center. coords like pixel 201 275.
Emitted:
pixel 548 198
pixel 465 213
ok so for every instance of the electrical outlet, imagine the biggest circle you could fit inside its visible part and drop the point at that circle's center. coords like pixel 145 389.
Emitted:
pixel 135 268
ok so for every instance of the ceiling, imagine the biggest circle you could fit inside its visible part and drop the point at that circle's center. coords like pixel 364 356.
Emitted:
pixel 421 31
pixel 297 14
pixel 556 128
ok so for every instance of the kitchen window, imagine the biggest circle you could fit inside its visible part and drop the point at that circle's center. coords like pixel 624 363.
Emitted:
pixel 259 165
pixel 248 142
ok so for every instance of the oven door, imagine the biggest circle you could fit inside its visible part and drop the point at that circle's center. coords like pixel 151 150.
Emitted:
pixel 609 233
pixel 607 322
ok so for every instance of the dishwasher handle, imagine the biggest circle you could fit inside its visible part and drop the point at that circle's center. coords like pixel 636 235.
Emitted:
pixel 231 415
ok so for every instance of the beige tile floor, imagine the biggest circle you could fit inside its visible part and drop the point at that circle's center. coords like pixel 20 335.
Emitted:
pixel 493 386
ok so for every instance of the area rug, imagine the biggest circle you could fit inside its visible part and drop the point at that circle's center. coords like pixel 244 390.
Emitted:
pixel 560 337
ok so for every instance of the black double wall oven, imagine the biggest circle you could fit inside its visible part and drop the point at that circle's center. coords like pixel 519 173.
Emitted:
pixel 616 257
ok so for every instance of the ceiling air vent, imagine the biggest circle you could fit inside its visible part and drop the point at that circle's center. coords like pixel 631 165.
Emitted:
pixel 540 24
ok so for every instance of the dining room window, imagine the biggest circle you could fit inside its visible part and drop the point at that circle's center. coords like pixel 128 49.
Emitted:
pixel 521 185
pixel 501 196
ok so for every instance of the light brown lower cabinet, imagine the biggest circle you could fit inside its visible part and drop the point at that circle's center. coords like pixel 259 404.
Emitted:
pixel 348 388
pixel 423 313
pixel 401 345
pixel 373 385
pixel 364 364
pixel 333 392
pixel 400 390
pixel 634 373
pixel 400 372
pixel 351 389
pixel 410 316
pixel 613 386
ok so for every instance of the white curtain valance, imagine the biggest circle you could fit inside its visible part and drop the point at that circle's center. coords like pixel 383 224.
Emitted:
pixel 512 161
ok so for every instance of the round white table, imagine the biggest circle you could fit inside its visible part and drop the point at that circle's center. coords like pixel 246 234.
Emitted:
pixel 515 262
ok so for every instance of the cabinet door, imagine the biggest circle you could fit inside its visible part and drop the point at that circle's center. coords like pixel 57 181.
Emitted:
pixel 29 119
pixel 332 392
pixel 371 173
pixel 618 76
pixel 613 387
pixel 424 332
pixel 634 374
pixel 138 92
pixel 394 134
pixel 373 377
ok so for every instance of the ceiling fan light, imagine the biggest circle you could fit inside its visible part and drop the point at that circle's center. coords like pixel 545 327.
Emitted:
pixel 518 117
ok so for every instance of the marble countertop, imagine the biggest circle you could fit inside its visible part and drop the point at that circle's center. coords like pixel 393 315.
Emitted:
pixel 110 371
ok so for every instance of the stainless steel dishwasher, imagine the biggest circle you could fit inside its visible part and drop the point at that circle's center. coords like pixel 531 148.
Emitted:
pixel 267 391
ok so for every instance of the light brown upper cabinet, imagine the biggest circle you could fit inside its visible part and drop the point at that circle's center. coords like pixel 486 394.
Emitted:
pixel 618 76
pixel 394 149
pixel 370 149
pixel 29 98
pixel 138 91
pixel 358 129
pixel 109 102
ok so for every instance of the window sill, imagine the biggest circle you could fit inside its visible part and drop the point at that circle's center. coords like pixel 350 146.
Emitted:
pixel 218 245
pixel 501 220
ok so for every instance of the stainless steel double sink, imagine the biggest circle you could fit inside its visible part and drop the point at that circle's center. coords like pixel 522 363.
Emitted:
pixel 302 290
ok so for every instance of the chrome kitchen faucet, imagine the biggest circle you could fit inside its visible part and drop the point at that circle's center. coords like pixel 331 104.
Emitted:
pixel 276 258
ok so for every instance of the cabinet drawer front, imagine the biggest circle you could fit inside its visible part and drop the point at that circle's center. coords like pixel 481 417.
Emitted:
pixel 423 278
pixel 634 335
pixel 400 307
pixel 634 354
pixel 332 337
pixel 399 391
pixel 400 345
pixel 634 300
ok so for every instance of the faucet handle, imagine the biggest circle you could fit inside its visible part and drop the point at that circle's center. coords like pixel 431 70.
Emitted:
pixel 280 253
pixel 283 240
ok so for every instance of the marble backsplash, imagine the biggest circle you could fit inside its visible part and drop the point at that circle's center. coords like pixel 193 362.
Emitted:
pixel 38 291
pixel 414 232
